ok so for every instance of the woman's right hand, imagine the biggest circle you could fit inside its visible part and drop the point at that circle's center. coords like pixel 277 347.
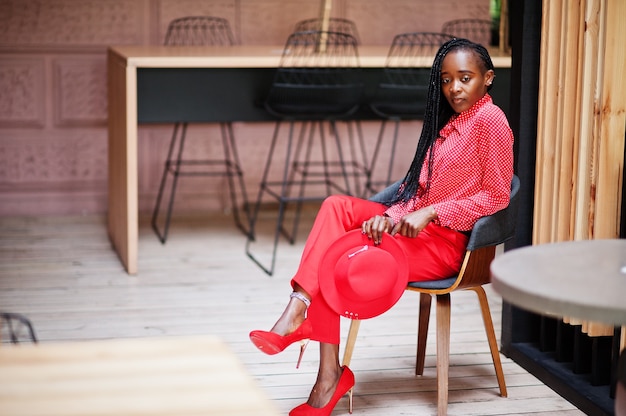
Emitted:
pixel 376 226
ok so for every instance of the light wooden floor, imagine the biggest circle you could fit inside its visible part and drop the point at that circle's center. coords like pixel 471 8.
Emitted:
pixel 62 273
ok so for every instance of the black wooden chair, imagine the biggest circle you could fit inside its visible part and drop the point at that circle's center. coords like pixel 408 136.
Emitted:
pixel 488 232
pixel 201 31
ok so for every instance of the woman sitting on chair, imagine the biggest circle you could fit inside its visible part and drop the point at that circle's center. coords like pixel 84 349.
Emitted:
pixel 461 171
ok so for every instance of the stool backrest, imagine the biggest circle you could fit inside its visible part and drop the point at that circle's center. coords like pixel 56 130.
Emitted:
pixel 335 24
pixel 403 89
pixel 199 31
pixel 317 76
pixel 476 30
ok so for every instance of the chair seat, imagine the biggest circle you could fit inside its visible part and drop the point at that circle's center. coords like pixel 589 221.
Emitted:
pixel 434 284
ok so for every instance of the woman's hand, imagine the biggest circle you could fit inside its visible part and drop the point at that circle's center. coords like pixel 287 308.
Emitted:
pixel 411 224
pixel 376 226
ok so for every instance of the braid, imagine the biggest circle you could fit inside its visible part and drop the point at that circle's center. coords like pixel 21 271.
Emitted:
pixel 437 114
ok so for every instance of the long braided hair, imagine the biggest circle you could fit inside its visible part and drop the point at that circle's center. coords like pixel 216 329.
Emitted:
pixel 438 112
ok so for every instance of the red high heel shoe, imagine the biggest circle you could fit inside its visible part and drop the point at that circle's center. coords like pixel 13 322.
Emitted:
pixel 272 343
pixel 345 385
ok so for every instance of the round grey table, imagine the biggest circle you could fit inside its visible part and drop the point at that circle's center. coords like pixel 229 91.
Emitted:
pixel 579 279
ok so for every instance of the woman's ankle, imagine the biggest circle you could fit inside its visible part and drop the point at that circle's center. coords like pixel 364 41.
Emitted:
pixel 324 388
pixel 291 318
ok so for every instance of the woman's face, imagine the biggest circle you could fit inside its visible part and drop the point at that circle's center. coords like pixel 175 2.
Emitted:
pixel 463 81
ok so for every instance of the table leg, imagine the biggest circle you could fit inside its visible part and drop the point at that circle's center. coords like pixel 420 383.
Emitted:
pixel 122 199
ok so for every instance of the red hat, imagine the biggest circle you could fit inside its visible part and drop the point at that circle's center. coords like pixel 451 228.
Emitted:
pixel 368 279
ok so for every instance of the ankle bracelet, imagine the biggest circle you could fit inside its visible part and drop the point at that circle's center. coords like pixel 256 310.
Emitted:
pixel 300 296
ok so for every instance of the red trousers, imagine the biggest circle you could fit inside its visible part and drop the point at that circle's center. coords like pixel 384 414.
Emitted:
pixel 437 252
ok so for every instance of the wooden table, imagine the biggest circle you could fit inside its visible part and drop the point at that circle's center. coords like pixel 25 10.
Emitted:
pixel 581 279
pixel 146 376
pixel 576 279
pixel 126 81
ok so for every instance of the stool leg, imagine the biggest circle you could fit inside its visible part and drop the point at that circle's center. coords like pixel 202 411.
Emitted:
pixel 233 168
pixel 392 156
pixel 360 167
pixel 303 166
pixel 369 185
pixel 342 161
pixel 175 172
pixel 265 187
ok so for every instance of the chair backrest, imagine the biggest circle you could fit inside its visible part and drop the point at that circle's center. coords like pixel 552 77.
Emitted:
pixel 403 89
pixel 476 30
pixel 486 234
pixel 317 76
pixel 335 24
pixel 499 227
pixel 199 31
pixel 16 328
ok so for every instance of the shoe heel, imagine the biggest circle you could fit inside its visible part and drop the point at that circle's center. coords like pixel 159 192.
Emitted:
pixel 350 396
pixel 303 345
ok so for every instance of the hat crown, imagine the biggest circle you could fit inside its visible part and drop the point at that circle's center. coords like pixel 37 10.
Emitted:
pixel 365 273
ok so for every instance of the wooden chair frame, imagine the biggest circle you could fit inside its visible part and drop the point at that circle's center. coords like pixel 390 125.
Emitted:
pixel 473 275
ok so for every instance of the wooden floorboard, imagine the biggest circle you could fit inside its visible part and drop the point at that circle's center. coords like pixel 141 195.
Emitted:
pixel 62 273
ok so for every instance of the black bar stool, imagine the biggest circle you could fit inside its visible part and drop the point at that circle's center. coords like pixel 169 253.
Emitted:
pixel 201 31
pixel 402 92
pixel 316 85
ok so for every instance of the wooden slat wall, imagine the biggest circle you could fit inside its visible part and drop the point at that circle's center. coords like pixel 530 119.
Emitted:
pixel 581 123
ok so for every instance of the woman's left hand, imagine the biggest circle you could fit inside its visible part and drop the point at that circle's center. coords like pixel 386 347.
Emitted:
pixel 411 224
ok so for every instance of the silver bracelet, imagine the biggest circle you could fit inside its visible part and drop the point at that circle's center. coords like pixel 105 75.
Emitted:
pixel 300 296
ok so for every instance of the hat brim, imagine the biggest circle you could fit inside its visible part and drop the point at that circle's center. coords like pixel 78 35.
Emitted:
pixel 349 306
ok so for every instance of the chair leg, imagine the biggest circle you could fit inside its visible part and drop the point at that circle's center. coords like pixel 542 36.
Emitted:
pixel 491 337
pixel 354 331
pixel 422 332
pixel 175 172
pixel 443 352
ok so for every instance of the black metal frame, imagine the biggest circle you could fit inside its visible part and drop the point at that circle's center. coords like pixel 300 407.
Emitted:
pixel 402 91
pixel 14 322
pixel 314 87
pixel 200 30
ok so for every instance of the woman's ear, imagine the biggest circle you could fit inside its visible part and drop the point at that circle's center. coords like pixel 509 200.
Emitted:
pixel 489 77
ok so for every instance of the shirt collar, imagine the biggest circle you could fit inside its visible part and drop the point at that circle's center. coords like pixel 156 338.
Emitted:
pixel 462 118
